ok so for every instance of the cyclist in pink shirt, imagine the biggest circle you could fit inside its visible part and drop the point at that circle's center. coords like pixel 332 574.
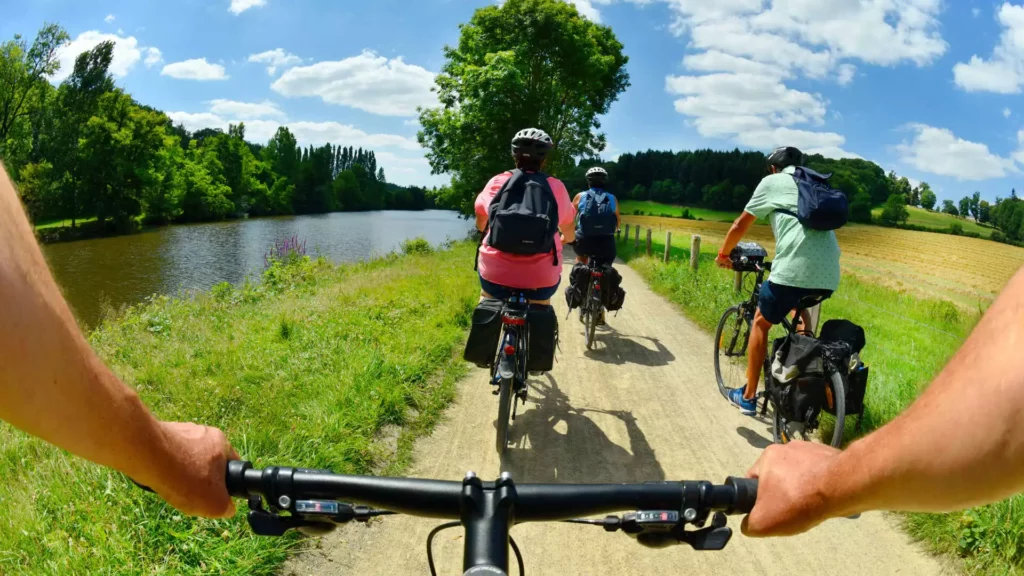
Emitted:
pixel 538 275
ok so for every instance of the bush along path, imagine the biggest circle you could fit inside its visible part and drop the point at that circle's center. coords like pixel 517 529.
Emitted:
pixel 316 365
pixel 643 405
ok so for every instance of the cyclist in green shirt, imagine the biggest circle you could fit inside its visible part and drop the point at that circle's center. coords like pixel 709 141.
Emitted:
pixel 806 262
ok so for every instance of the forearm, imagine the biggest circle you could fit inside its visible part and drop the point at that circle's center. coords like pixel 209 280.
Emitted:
pixel 962 442
pixel 736 232
pixel 52 385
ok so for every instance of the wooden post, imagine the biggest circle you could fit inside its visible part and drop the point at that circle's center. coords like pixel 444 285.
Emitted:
pixel 695 252
pixel 668 246
pixel 648 241
pixel 626 238
pixel 738 284
pixel 618 236
pixel 636 239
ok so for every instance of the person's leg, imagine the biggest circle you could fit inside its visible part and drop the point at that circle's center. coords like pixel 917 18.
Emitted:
pixel 492 290
pixel 542 296
pixel 757 350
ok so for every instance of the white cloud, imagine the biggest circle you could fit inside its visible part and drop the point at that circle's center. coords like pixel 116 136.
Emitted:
pixel 239 6
pixel 195 69
pixel 1003 73
pixel 976 12
pixel 153 57
pixel 1007 112
pixel 718 61
pixel 245 110
pixel 845 74
pixel 939 151
pixel 109 19
pixel 1019 154
pixel 275 59
pixel 368 82
pixel 127 53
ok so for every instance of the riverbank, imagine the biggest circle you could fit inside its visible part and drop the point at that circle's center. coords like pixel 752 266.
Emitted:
pixel 909 339
pixel 316 365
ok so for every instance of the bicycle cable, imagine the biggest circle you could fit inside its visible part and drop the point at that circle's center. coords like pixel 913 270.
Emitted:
pixel 434 532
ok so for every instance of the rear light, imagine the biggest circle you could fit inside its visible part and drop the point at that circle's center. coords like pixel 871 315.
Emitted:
pixel 513 321
pixel 598 286
pixel 597 274
pixel 510 349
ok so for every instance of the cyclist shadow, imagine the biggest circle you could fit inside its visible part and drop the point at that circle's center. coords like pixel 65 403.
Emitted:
pixel 554 442
pixel 753 438
pixel 620 349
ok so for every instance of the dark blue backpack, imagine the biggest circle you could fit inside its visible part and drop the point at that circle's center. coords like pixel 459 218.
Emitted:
pixel 820 206
pixel 597 214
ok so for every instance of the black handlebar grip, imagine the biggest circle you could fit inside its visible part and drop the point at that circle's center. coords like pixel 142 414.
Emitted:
pixel 746 494
pixel 234 478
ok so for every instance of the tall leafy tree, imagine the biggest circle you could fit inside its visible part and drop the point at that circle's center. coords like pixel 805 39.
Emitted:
pixel 525 63
pixel 928 198
pixel 895 210
pixel 976 206
pixel 23 73
pixel 948 207
pixel 965 206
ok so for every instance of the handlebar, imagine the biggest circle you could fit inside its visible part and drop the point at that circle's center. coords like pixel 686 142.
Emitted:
pixel 487 510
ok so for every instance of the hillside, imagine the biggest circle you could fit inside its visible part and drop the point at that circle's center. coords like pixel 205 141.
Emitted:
pixel 939 220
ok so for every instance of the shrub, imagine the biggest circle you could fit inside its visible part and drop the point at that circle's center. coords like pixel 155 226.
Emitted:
pixel 416 246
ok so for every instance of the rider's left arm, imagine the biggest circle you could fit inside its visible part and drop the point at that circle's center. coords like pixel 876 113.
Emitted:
pixel 736 232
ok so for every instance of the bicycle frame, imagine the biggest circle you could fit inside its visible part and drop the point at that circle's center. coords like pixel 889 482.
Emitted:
pixel 512 354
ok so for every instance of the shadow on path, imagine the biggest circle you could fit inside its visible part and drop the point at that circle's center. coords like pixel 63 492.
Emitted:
pixel 554 442
pixel 614 348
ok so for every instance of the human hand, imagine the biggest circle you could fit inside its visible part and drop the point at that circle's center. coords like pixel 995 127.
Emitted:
pixel 723 261
pixel 791 497
pixel 194 479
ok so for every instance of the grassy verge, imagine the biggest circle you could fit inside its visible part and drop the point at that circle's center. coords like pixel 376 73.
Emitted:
pixel 651 208
pixel 61 223
pixel 316 366
pixel 909 338
pixel 940 221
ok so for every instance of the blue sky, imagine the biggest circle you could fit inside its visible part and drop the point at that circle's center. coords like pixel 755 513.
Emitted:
pixel 928 88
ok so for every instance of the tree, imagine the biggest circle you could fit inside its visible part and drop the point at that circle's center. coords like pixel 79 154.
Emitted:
pixel 903 188
pixel 524 63
pixel 984 212
pixel 895 210
pixel 948 207
pixel 639 192
pixel 860 208
pixel 965 206
pixel 23 73
pixel 976 206
pixel 928 198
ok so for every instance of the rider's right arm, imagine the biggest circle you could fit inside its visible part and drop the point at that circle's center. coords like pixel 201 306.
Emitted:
pixel 960 444
pixel 53 386
pixel 566 211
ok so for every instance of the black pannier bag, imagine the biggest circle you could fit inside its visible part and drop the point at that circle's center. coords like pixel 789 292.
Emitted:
pixel 482 346
pixel 543 338
pixel 842 342
pixel 578 278
pixel 573 297
pixel 798 371
pixel 612 294
pixel 802 399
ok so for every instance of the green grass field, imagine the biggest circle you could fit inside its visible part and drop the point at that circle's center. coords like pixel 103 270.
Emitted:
pixel 909 339
pixel 317 366
pixel 650 208
pixel 58 223
pixel 940 221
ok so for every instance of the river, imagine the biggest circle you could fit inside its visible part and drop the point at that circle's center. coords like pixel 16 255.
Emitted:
pixel 123 270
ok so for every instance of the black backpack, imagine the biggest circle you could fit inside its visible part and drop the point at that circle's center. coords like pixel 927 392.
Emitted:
pixel 523 216
pixel 820 206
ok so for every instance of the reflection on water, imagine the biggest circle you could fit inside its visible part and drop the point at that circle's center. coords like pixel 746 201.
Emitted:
pixel 127 269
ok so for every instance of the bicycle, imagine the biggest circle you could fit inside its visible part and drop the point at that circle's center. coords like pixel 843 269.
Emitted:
pixel 731 340
pixel 509 370
pixel 592 308
pixel 658 512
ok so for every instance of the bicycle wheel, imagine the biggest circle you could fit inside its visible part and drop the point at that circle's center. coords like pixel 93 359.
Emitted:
pixel 839 399
pixel 504 414
pixel 592 315
pixel 784 431
pixel 731 350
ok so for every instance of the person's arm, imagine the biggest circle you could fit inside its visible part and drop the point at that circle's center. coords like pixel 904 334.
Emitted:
pixel 53 386
pixel 960 444
pixel 732 238
pixel 566 211
pixel 618 217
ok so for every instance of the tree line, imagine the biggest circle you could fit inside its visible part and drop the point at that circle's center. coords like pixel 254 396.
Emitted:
pixel 86 149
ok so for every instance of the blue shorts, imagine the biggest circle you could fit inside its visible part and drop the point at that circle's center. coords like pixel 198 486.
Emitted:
pixel 504 292
pixel 776 301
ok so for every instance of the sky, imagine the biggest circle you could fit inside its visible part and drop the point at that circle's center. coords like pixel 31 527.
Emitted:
pixel 927 88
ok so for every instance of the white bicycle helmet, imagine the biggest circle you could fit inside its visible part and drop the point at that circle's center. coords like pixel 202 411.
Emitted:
pixel 532 142
pixel 597 175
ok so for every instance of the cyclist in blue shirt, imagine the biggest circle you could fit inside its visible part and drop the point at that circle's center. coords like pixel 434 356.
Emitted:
pixel 598 219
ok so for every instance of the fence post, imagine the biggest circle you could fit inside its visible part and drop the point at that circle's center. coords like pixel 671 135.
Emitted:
pixel 695 252
pixel 626 237
pixel 636 239
pixel 618 236
pixel 648 241
pixel 738 283
pixel 668 246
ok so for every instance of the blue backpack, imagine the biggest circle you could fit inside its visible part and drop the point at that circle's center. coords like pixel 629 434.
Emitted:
pixel 597 214
pixel 820 206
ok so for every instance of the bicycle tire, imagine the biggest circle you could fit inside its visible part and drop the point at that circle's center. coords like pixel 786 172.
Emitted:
pixel 737 311
pixel 504 415
pixel 839 397
pixel 591 324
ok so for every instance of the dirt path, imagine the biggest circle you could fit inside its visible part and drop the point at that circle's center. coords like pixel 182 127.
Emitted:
pixel 642 406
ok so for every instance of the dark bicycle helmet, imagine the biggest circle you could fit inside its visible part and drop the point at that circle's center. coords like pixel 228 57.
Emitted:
pixel 785 156
pixel 532 143
pixel 597 175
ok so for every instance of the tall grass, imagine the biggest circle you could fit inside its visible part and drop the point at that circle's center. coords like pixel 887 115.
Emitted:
pixel 909 340
pixel 305 368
